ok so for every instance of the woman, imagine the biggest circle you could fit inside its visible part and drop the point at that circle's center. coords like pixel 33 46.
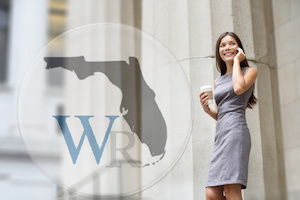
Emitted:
pixel 228 169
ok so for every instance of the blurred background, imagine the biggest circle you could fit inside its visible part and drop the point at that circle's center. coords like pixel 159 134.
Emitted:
pixel 269 30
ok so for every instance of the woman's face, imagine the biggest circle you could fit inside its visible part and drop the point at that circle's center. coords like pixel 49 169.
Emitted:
pixel 228 48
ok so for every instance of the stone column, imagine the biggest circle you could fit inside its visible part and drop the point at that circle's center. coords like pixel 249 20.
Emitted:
pixel 167 21
pixel 268 93
pixel 286 29
pixel 202 72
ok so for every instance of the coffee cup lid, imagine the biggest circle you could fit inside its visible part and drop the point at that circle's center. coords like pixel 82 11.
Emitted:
pixel 205 87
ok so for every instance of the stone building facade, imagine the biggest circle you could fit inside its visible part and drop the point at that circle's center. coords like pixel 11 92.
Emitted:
pixel 269 30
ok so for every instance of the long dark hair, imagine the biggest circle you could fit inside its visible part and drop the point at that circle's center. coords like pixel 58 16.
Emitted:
pixel 221 65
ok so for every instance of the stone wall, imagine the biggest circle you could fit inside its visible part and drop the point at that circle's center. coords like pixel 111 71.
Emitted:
pixel 286 17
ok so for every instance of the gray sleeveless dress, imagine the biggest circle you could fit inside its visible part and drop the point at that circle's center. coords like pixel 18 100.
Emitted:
pixel 230 157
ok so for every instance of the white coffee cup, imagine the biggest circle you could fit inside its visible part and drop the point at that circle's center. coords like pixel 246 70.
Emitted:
pixel 208 89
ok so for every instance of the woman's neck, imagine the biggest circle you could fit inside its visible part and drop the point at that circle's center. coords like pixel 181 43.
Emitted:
pixel 229 67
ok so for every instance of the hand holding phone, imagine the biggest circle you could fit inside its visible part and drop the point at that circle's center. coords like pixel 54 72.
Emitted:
pixel 240 56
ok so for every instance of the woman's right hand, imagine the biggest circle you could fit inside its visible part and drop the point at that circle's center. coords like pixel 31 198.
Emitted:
pixel 204 101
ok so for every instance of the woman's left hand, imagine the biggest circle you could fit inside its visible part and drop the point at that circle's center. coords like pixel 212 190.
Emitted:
pixel 240 56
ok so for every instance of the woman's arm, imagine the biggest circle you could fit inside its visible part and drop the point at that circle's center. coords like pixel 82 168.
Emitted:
pixel 203 100
pixel 240 82
pixel 213 114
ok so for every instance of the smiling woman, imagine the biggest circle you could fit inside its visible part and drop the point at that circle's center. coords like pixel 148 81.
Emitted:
pixel 228 169
pixel 229 47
